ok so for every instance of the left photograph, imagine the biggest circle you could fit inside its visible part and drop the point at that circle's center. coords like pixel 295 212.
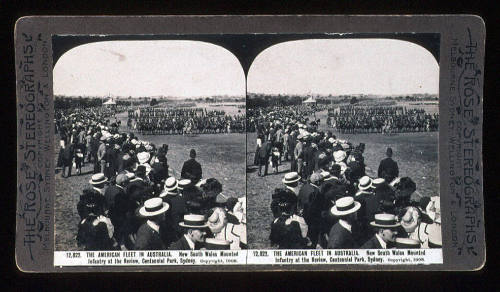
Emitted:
pixel 150 147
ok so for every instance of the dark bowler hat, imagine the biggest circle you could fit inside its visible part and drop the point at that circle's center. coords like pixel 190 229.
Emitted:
pixel 217 244
pixel 407 243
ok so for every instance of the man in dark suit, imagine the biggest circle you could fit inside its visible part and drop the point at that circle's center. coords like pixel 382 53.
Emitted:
pixel 310 201
pixel 148 235
pixel 386 231
pixel 341 234
pixel 191 169
pixel 388 168
pixel 195 229
pixel 264 153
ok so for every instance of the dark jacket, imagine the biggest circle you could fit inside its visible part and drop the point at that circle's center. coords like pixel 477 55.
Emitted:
pixel 372 243
pixel 180 244
pixel 340 238
pixel 148 239
pixel 191 169
pixel 388 169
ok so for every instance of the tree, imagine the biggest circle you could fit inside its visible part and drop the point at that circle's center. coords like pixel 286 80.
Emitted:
pixel 153 102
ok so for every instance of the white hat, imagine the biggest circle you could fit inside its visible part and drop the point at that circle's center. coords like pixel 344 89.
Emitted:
pixel 331 140
pixel 153 207
pixel 184 183
pixel 171 185
pixel 194 221
pixel 98 179
pixel 134 141
pixel 339 155
pixel 385 220
pixel 377 182
pixel 291 177
pixel 143 157
pixel 435 240
pixel 365 183
pixel 345 206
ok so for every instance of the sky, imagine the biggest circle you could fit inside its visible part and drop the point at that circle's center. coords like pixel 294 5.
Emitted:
pixel 344 66
pixel 149 68
pixel 197 69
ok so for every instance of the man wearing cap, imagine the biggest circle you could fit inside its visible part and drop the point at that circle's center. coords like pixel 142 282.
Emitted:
pixel 388 168
pixel 386 231
pixel 191 169
pixel 148 235
pixel 195 230
pixel 341 234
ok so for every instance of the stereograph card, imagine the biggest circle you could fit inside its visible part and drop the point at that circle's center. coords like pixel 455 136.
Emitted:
pixel 249 143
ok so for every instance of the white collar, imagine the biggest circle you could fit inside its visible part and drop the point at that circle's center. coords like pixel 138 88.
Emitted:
pixel 101 191
pixel 382 242
pixel 345 225
pixel 153 226
pixel 190 243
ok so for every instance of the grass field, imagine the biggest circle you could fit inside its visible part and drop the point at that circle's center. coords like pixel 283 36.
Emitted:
pixel 221 156
pixel 415 153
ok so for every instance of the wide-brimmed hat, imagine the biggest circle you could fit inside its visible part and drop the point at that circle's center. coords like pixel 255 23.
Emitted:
pixel 402 242
pixel 365 183
pixel 291 177
pixel 339 155
pixel 194 221
pixel 143 157
pixel 385 220
pixel 184 183
pixel 435 239
pixel 217 244
pixel 98 179
pixel 153 207
pixel 345 206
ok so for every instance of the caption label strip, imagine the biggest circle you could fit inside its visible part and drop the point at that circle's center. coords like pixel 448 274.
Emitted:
pixel 249 257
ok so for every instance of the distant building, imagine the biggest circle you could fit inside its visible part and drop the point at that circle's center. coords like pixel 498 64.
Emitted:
pixel 310 101
pixel 109 104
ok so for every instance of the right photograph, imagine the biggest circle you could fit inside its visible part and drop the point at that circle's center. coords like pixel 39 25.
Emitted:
pixel 342 146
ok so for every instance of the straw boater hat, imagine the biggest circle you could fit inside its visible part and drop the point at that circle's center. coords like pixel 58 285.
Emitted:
pixel 345 206
pixel 143 157
pixel 365 183
pixel 194 221
pixel 98 179
pixel 378 182
pixel 184 183
pixel 170 187
pixel 402 242
pixel 385 220
pixel 291 177
pixel 217 244
pixel 153 207
pixel 339 155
